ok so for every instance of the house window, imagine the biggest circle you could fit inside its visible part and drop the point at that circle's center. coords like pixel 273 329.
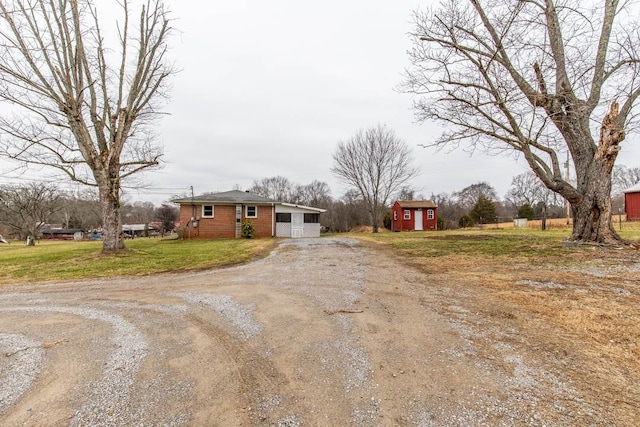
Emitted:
pixel 251 212
pixel 429 213
pixel 311 218
pixel 283 217
pixel 395 215
pixel 207 211
pixel 407 214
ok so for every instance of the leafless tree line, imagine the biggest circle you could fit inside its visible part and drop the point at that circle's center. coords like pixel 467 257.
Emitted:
pixel 26 209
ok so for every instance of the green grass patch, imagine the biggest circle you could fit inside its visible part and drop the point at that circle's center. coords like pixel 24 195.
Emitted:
pixel 53 260
pixel 527 243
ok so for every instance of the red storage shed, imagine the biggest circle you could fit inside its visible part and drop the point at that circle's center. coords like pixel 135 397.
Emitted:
pixel 632 203
pixel 414 215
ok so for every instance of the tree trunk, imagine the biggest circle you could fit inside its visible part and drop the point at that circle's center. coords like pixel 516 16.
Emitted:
pixel 111 221
pixel 592 210
pixel 592 214
pixel 374 219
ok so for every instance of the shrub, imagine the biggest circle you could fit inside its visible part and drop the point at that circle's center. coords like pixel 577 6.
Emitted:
pixel 465 221
pixel 247 229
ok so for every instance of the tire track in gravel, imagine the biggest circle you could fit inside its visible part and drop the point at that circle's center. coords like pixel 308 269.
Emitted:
pixel 322 332
pixel 250 375
pixel 107 398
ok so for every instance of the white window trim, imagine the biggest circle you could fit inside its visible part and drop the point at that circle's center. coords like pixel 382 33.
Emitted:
pixel 395 215
pixel 407 214
pixel 430 214
pixel 246 211
pixel 213 212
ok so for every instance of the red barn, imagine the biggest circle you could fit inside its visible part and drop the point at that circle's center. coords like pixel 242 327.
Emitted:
pixel 632 203
pixel 414 215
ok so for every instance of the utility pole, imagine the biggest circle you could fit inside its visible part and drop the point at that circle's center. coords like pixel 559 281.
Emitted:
pixel 193 212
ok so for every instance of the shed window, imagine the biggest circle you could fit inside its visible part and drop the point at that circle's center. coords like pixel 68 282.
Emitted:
pixel 207 211
pixel 407 214
pixel 251 212
pixel 395 215
pixel 283 217
pixel 311 218
pixel 429 213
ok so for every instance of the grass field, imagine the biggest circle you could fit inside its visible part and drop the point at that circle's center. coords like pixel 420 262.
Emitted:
pixel 68 260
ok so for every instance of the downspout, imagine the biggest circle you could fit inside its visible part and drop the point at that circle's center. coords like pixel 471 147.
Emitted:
pixel 273 219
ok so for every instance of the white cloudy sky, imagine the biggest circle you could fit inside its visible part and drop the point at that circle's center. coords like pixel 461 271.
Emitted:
pixel 269 88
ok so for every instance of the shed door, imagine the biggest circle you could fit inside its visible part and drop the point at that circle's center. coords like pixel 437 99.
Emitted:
pixel 297 224
pixel 418 220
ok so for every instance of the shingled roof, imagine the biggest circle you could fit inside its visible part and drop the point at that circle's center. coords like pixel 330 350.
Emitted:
pixel 416 204
pixel 231 197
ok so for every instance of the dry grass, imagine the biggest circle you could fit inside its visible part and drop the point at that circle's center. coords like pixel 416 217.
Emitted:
pixel 579 306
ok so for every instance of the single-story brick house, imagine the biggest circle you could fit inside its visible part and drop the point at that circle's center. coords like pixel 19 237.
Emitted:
pixel 414 215
pixel 632 203
pixel 220 216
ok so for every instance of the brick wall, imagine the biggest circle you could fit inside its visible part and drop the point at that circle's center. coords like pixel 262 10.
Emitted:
pixel 223 224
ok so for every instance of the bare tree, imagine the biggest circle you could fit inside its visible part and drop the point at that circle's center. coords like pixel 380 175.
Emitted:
pixel 377 164
pixel 167 215
pixel 138 212
pixel 277 187
pixel 82 106
pixel 535 77
pixel 316 194
pixel 80 209
pixel 527 189
pixel 624 177
pixel 469 196
pixel 449 209
pixel 25 209
pixel 406 193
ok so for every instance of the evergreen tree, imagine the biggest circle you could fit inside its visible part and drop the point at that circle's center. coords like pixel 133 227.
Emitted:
pixel 526 211
pixel 484 211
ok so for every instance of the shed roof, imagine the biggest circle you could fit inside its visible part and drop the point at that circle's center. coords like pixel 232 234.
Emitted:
pixel 304 208
pixel 138 227
pixel 62 230
pixel 634 189
pixel 233 196
pixel 416 204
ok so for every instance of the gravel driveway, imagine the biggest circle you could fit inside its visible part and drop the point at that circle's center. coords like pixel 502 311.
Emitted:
pixel 326 332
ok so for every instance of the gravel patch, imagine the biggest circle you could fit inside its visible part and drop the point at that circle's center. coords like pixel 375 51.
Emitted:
pixel 106 399
pixel 240 316
pixel 21 360
pixel 541 285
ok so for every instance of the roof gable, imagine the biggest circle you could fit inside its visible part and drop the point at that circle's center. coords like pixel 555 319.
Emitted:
pixel 232 197
pixel 416 204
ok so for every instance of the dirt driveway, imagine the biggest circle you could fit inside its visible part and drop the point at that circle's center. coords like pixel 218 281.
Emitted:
pixel 326 332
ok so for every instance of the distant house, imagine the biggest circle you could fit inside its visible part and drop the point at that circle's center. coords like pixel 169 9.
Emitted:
pixel 139 230
pixel 632 203
pixel 220 216
pixel 414 215
pixel 63 233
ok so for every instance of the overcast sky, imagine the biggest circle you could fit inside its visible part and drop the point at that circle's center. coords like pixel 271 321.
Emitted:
pixel 270 88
